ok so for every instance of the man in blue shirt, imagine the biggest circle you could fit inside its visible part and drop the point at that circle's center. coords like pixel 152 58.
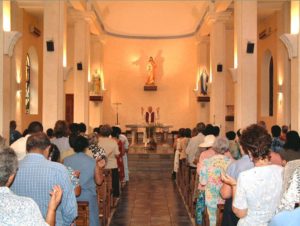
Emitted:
pixel 37 175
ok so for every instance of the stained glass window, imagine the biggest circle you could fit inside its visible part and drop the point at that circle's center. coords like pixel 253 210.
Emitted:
pixel 271 80
pixel 27 85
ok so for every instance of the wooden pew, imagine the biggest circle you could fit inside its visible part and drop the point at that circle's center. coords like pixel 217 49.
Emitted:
pixel 102 197
pixel 83 218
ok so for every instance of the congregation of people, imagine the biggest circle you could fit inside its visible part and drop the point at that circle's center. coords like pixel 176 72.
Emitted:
pixel 249 177
pixel 43 176
pixel 253 175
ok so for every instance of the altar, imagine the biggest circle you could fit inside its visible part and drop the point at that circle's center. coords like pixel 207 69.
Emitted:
pixel 148 126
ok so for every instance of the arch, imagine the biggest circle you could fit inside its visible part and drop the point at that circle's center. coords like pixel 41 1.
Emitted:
pixel 267 87
pixel 31 82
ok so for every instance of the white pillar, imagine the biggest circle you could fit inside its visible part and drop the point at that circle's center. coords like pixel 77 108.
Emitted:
pixel 3 129
pixel 295 69
pixel 81 55
pixel 5 83
pixel 218 57
pixel 55 21
pixel 245 25
pixel 283 68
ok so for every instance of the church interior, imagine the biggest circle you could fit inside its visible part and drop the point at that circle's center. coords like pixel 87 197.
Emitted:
pixel 151 68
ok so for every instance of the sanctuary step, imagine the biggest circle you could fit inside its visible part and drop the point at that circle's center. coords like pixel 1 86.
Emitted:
pixel 150 162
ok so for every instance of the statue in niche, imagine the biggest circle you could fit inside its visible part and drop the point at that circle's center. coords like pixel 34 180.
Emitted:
pixel 96 85
pixel 151 72
pixel 204 79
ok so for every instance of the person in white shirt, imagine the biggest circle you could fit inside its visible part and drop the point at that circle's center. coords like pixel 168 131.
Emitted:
pixel 125 141
pixel 257 191
pixel 20 210
pixel 19 146
pixel 193 145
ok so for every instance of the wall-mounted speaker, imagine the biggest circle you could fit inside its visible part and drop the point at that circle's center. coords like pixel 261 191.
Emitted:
pixel 219 68
pixel 50 46
pixel 79 66
pixel 250 47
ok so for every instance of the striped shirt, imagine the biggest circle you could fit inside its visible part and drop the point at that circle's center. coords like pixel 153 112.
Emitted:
pixel 36 177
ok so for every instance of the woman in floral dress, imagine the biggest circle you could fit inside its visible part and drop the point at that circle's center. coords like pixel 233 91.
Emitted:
pixel 210 177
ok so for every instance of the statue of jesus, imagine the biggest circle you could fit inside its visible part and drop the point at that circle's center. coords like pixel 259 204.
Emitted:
pixel 151 72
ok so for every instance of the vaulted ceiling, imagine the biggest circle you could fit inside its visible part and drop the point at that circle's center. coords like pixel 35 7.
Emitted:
pixel 151 18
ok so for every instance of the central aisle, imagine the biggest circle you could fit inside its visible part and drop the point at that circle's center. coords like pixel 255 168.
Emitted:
pixel 150 199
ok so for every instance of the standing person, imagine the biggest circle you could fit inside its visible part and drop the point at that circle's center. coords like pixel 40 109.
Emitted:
pixel 200 194
pixel 61 133
pixel 284 130
pixel 187 134
pixel 91 173
pixel 13 133
pixel 193 145
pixel 50 133
pixel 210 177
pixel 82 129
pixel 291 147
pixel 36 177
pixel 115 135
pixel 234 147
pixel 233 170
pixel 18 210
pixel 277 144
pixel 257 191
pixel 150 118
pixel 178 149
pixel 112 151
pixel 125 141
pixel 54 156
pixel 19 146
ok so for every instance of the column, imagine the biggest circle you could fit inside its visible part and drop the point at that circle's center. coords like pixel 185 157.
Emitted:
pixel 218 70
pixel 3 125
pixel 81 75
pixel 55 21
pixel 295 68
pixel 245 25
pixel 283 68
pixel 8 40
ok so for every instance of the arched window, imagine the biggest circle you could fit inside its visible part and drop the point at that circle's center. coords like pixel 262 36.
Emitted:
pixel 27 85
pixel 271 80
pixel 267 85
pixel 31 82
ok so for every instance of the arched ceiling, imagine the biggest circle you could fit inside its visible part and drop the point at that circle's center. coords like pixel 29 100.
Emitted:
pixel 151 18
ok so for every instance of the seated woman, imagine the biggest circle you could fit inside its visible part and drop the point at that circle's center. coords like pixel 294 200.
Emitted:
pixel 210 177
pixel 257 191
pixel 18 210
pixel 91 173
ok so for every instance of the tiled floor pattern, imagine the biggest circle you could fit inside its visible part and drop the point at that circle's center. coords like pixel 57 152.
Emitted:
pixel 150 199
